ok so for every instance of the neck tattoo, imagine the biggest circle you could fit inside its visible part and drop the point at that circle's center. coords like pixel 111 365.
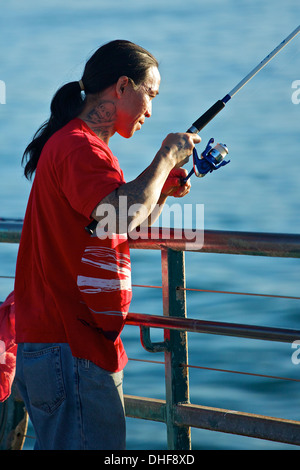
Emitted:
pixel 101 119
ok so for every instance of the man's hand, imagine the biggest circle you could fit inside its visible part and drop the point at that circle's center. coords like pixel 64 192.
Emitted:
pixel 174 185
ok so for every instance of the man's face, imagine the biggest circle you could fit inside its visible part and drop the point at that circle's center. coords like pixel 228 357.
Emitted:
pixel 136 104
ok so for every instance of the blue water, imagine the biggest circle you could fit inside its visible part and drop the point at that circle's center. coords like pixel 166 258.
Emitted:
pixel 204 49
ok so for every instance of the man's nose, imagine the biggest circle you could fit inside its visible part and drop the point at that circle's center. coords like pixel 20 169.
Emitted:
pixel 148 112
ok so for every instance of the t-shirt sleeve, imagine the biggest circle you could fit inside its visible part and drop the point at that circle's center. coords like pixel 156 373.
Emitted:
pixel 86 176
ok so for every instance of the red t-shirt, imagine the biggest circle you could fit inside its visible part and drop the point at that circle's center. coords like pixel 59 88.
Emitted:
pixel 71 287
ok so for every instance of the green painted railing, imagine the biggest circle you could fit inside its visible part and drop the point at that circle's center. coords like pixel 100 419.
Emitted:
pixel 176 410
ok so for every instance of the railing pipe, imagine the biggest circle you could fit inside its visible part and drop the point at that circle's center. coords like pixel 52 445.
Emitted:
pixel 219 241
pixel 208 241
pixel 284 335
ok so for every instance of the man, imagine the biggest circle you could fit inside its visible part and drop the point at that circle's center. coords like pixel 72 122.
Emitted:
pixel 73 291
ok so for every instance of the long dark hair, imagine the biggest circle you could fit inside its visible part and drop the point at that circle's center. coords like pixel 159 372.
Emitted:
pixel 102 70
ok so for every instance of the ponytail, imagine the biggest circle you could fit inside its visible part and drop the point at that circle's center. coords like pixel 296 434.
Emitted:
pixel 102 70
pixel 66 104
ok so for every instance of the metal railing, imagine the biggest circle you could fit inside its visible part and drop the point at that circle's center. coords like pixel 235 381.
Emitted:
pixel 176 411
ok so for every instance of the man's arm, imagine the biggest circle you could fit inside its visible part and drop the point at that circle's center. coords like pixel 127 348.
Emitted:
pixel 149 191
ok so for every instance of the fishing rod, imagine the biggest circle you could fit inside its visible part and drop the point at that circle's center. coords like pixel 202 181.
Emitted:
pixel 213 158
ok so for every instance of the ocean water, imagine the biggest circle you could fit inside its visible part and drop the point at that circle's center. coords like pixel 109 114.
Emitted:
pixel 204 49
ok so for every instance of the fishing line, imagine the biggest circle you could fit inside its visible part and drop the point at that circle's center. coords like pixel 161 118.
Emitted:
pixel 203 120
pixel 213 158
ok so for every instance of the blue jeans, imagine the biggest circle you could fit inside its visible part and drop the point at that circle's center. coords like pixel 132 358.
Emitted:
pixel 72 403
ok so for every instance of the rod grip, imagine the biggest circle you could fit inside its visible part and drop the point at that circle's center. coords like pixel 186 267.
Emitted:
pixel 203 120
pixel 91 227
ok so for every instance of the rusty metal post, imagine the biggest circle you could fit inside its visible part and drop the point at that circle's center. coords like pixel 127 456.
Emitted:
pixel 176 376
pixel 13 422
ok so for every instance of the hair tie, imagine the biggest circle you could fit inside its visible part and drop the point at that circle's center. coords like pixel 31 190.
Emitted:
pixel 81 85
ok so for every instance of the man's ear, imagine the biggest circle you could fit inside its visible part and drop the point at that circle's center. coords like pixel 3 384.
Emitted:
pixel 121 85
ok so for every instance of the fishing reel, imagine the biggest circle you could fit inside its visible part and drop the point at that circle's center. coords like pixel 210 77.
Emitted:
pixel 212 158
